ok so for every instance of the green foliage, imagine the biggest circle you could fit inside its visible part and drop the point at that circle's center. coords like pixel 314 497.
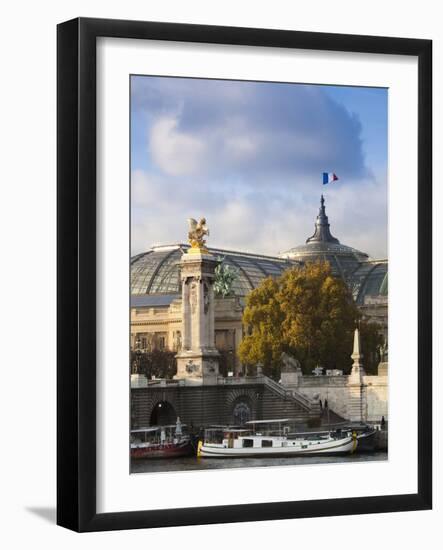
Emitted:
pixel 306 312
pixel 262 319
pixel 158 363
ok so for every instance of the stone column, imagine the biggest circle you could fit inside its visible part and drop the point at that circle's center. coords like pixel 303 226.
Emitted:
pixel 210 334
pixel 358 370
pixel 186 341
pixel 356 407
pixel 197 361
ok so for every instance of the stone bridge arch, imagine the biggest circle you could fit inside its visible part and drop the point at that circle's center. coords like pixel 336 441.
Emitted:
pixel 162 408
pixel 242 405
pixel 163 413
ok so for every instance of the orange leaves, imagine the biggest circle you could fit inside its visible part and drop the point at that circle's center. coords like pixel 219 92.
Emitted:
pixel 306 311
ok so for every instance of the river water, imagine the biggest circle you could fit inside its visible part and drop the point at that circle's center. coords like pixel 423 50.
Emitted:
pixel 194 463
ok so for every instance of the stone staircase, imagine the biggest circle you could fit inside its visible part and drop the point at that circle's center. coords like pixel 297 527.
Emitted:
pixel 278 402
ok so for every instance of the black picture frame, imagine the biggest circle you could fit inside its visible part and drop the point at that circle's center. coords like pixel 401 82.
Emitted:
pixel 76 264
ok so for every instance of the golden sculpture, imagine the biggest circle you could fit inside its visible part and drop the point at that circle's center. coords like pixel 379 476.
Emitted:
pixel 196 234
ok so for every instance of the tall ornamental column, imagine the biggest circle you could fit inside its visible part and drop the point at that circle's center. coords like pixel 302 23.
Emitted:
pixel 356 406
pixel 197 361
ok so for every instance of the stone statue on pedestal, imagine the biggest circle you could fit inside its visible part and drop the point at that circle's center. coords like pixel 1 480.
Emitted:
pixel 197 360
pixel 383 365
pixel 383 350
pixel 196 233
pixel 291 370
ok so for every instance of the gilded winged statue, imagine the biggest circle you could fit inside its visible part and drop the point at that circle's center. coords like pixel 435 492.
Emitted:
pixel 197 232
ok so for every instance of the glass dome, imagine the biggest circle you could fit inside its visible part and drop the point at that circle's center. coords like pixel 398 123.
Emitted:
pixel 157 270
pixel 322 245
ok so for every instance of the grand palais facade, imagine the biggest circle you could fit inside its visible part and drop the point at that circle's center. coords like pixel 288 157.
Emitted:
pixel 156 299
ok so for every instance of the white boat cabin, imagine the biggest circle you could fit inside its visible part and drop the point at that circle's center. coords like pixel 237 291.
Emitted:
pixel 262 434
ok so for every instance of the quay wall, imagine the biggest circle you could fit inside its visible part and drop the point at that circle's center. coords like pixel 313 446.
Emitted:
pixel 206 405
pixel 333 389
pixel 231 400
pixel 363 400
pixel 376 388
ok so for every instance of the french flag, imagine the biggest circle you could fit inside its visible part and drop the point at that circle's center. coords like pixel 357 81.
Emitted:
pixel 329 177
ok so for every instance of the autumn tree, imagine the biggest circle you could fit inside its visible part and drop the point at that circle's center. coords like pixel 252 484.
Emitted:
pixel 306 312
pixel 262 320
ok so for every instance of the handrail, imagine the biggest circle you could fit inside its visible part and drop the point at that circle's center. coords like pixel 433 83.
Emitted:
pixel 288 393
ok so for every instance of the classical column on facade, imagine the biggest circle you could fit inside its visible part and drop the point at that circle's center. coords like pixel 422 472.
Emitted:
pixel 238 339
pixel 356 390
pixel 197 361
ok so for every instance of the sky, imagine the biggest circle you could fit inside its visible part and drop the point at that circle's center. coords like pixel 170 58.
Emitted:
pixel 249 156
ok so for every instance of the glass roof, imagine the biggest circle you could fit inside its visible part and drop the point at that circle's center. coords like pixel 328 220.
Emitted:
pixel 157 270
pixel 344 260
pixel 369 280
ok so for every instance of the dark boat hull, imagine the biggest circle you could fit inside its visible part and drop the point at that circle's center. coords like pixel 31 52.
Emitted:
pixel 168 450
pixel 366 442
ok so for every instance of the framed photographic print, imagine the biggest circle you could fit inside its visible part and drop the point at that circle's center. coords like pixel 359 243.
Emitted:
pixel 231 203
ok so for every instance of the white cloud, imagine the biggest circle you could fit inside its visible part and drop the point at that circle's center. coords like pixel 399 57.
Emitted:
pixel 175 152
pixel 257 221
pixel 249 158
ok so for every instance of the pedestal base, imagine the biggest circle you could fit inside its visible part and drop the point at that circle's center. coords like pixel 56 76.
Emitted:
pixel 139 381
pixel 200 367
pixel 383 368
